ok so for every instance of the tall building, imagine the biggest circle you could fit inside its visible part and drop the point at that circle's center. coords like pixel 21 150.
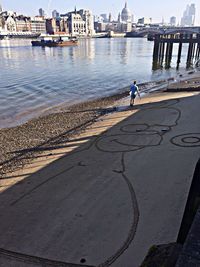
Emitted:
pixel 105 18
pixel 77 24
pixel 172 21
pixel 89 21
pixel 81 22
pixel 55 14
pixel 109 17
pixel 41 12
pixel 126 15
pixel 188 18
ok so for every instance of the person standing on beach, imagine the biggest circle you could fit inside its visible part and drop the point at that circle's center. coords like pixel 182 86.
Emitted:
pixel 133 92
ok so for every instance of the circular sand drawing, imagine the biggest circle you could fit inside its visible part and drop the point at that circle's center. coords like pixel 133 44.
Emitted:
pixel 187 140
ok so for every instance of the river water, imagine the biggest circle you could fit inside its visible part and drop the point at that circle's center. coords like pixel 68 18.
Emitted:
pixel 34 79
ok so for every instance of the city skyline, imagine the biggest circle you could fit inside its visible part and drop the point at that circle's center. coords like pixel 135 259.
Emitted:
pixel 139 9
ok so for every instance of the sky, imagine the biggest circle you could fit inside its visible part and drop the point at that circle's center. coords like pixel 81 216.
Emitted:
pixel 155 9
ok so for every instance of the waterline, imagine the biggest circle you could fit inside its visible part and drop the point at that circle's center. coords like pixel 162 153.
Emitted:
pixel 34 79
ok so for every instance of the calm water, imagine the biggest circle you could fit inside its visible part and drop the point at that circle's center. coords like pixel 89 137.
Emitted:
pixel 33 79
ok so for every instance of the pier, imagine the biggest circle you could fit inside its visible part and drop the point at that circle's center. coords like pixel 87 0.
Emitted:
pixel 164 43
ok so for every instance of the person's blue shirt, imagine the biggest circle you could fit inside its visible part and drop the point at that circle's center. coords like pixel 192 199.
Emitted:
pixel 133 89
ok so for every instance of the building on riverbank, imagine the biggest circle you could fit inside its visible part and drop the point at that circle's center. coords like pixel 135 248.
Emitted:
pixel 79 23
pixel 12 22
pixel 76 23
pixel 38 24
pixel 22 23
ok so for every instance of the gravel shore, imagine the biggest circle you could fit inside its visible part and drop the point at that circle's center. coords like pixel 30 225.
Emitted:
pixel 19 144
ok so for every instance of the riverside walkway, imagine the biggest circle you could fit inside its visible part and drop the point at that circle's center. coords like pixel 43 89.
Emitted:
pixel 115 190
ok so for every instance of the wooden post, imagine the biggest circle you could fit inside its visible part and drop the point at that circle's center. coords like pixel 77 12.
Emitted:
pixel 180 50
pixel 170 51
pixel 190 50
pixel 156 47
pixel 156 52
pixel 193 49
pixel 167 61
pixel 198 47
pixel 197 51
pixel 167 52
pixel 162 51
pixel 159 49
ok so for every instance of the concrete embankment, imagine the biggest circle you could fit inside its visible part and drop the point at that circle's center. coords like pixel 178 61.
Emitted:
pixel 185 251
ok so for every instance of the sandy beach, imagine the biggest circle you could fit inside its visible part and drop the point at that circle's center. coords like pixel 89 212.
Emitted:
pixel 49 130
pixel 19 144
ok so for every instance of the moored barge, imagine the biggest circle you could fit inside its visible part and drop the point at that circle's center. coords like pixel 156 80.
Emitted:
pixel 54 41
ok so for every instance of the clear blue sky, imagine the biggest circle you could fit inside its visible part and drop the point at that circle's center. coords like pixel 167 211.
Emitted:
pixel 142 8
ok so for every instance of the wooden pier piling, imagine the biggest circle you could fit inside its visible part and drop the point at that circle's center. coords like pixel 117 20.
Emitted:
pixel 163 47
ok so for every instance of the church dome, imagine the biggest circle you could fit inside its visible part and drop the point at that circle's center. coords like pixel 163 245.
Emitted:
pixel 126 14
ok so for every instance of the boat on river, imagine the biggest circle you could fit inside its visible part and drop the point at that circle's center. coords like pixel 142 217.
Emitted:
pixel 55 41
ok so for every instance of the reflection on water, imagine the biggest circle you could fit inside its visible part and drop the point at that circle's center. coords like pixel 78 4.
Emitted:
pixel 33 79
